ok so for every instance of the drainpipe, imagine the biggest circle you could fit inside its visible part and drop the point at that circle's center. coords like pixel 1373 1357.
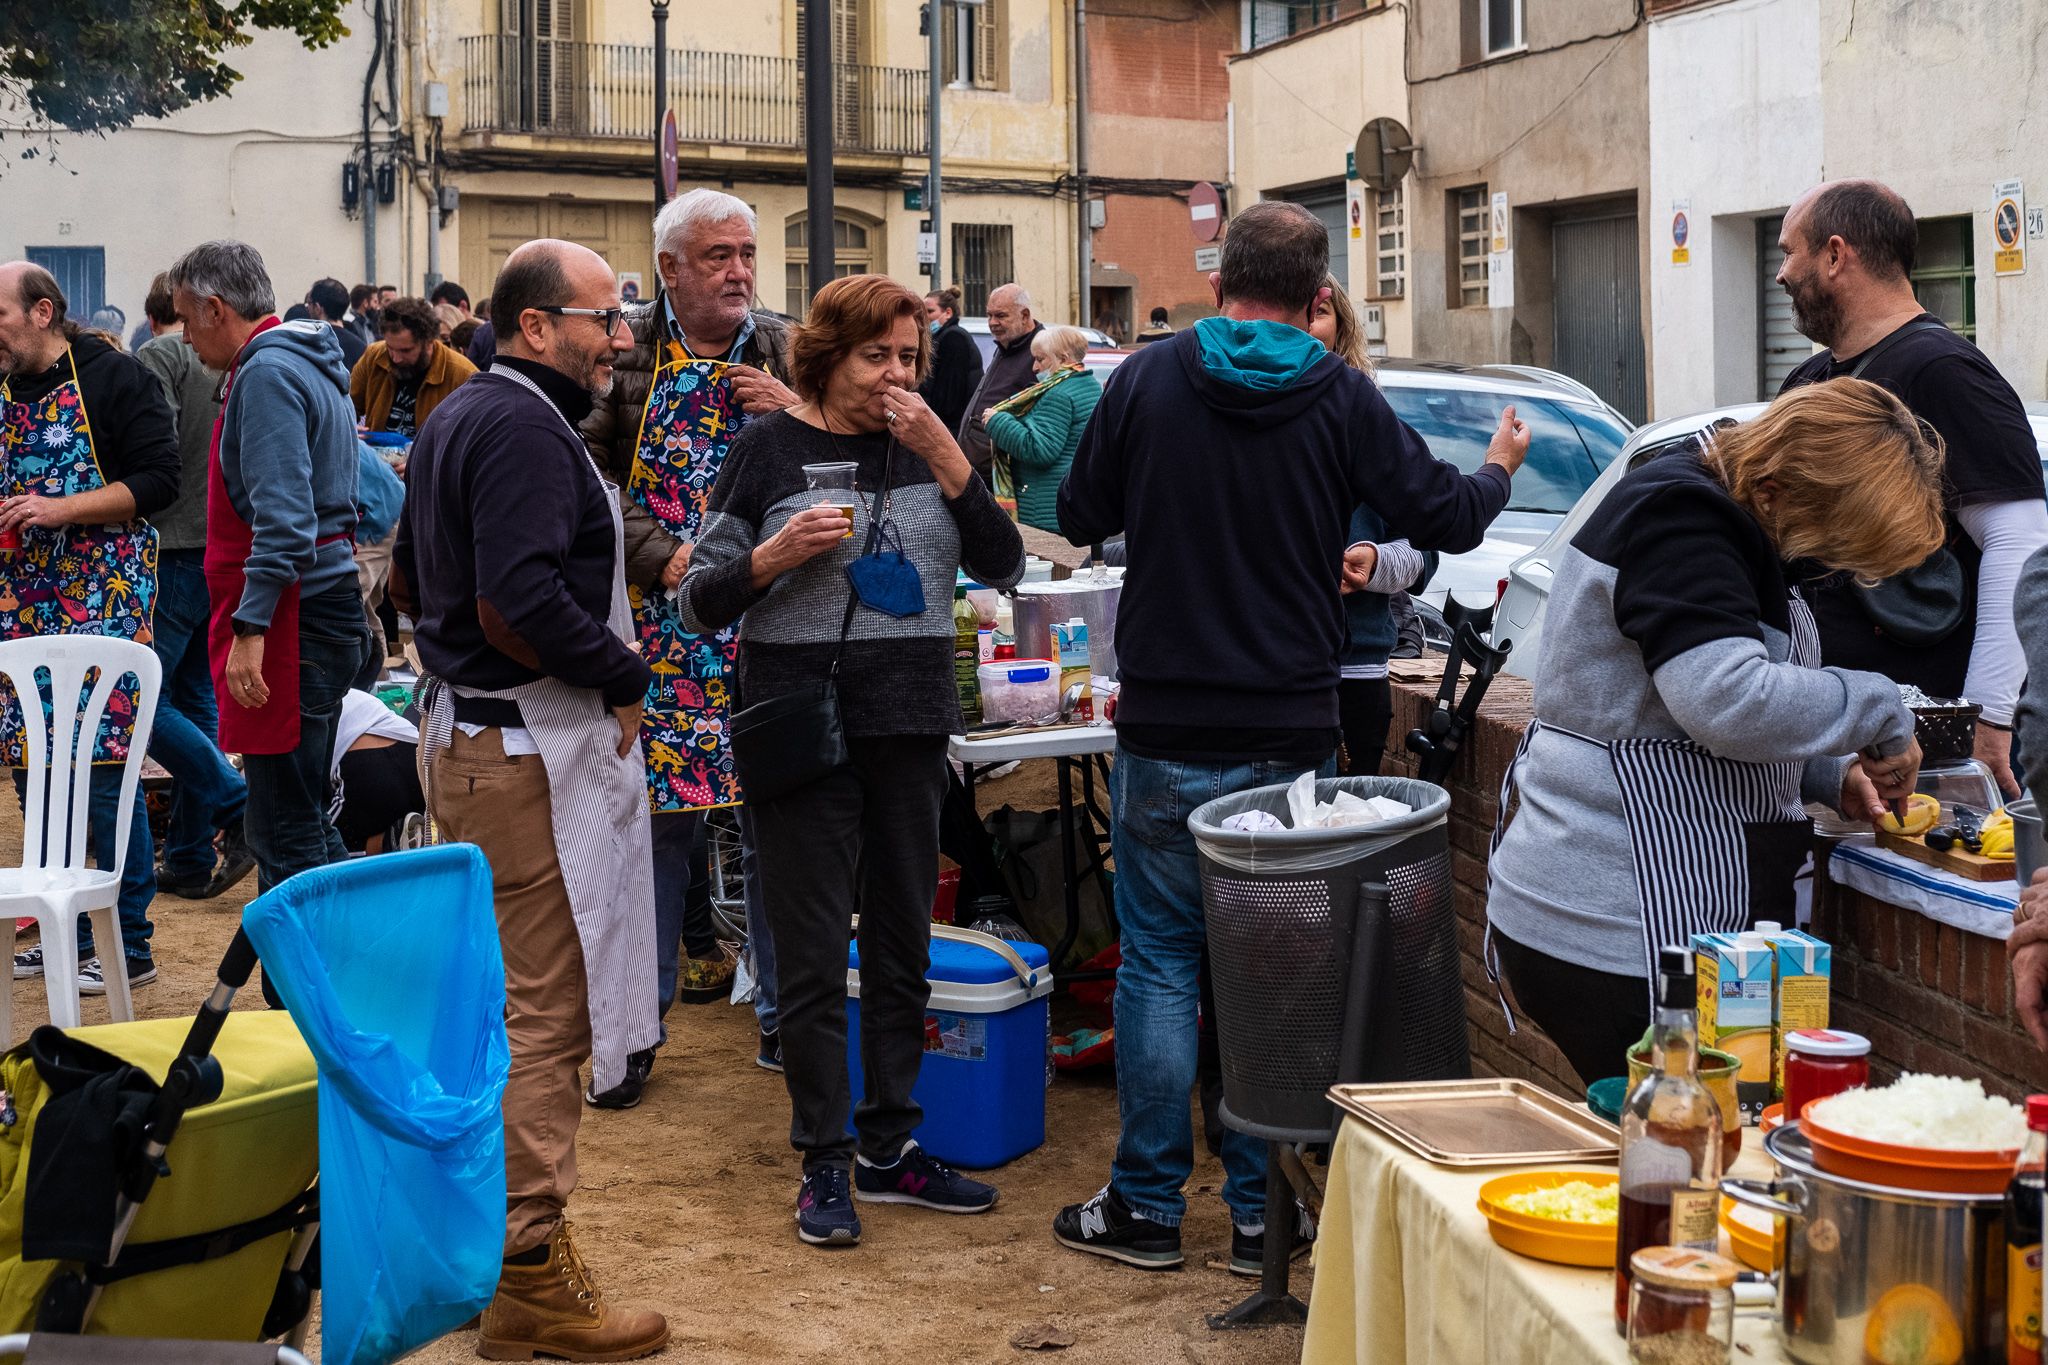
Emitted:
pixel 818 146
pixel 1087 252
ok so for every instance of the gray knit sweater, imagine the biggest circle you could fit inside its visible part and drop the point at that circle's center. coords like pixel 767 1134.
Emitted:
pixel 897 674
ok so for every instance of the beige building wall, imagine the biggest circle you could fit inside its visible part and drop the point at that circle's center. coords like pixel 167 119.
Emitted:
pixel 1297 109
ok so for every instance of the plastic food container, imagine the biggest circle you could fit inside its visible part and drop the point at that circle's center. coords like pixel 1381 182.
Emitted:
pixel 1547 1239
pixel 1752 1233
pixel 1938 1169
pixel 1020 691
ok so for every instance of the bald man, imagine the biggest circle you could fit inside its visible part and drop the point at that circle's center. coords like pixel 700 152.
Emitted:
pixel 1849 248
pixel 1009 370
pixel 510 559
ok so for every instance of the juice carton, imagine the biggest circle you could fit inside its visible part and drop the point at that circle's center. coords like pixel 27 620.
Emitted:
pixel 1799 999
pixel 1734 992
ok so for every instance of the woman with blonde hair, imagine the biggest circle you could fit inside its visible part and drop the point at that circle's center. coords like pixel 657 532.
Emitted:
pixel 1036 432
pixel 1683 717
pixel 1334 322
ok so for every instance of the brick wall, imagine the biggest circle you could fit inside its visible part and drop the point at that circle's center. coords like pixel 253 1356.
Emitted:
pixel 1929 997
pixel 1149 236
pixel 1161 58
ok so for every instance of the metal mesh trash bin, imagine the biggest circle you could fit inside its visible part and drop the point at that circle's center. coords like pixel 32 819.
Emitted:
pixel 1292 978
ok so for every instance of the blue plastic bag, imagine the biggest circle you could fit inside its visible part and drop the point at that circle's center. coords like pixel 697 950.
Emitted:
pixel 390 967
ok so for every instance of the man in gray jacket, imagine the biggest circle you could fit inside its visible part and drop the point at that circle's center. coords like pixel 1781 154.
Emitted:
pixel 287 632
pixel 209 795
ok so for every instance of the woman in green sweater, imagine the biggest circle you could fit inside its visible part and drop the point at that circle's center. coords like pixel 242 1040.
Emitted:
pixel 1036 433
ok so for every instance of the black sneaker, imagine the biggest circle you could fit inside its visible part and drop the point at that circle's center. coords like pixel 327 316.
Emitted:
pixel 1248 1249
pixel 917 1178
pixel 191 888
pixel 28 962
pixel 1105 1226
pixel 626 1093
pixel 92 977
pixel 769 1055
pixel 236 862
pixel 824 1209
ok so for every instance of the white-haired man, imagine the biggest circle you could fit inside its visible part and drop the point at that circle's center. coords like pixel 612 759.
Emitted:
pixel 1009 370
pixel 703 362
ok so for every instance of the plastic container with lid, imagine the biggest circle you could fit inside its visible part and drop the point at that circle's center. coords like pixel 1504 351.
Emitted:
pixel 1681 1307
pixel 1822 1062
pixel 1020 691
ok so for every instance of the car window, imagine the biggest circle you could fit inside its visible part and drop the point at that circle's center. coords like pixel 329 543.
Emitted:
pixel 1458 423
pixel 1603 432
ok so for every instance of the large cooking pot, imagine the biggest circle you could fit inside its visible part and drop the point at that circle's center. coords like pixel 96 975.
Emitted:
pixel 1090 594
pixel 1863 1266
pixel 2030 849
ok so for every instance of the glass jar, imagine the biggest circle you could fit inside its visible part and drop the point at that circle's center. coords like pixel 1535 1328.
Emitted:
pixel 1822 1062
pixel 1681 1307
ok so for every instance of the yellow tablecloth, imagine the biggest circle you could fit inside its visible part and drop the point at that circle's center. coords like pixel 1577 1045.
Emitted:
pixel 1406 1273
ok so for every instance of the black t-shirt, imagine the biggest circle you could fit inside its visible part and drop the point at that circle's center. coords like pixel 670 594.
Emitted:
pixel 405 400
pixel 1950 385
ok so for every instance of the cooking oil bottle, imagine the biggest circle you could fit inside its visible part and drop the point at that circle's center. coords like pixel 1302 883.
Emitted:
pixel 2023 1240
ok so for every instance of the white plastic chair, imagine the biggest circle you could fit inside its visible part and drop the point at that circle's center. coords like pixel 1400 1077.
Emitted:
pixel 54 882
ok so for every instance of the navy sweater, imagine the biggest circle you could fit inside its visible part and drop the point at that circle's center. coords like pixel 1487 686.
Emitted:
pixel 1237 502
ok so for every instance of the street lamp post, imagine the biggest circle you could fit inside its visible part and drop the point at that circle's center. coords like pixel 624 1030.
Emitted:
pixel 818 147
pixel 660 97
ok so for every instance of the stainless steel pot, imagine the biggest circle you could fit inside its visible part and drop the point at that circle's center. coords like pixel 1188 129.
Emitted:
pixel 2030 849
pixel 1090 595
pixel 1847 1244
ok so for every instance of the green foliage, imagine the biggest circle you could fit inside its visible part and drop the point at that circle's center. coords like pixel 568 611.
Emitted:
pixel 98 65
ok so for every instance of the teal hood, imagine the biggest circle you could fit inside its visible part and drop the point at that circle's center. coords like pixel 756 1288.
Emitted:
pixel 1256 355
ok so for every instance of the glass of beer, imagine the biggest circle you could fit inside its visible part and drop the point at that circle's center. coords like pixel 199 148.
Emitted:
pixel 834 487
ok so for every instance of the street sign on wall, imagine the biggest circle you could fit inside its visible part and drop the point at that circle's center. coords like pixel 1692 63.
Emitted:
pixel 2008 228
pixel 1205 211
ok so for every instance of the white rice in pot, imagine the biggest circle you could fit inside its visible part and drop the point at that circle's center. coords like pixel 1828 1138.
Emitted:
pixel 1944 1112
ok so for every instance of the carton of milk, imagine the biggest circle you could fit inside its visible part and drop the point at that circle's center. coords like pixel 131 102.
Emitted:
pixel 1799 996
pixel 1734 995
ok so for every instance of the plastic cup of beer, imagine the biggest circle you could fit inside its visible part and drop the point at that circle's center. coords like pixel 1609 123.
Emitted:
pixel 833 484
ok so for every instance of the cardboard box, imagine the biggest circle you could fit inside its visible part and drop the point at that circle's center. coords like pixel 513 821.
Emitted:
pixel 1734 995
pixel 1801 965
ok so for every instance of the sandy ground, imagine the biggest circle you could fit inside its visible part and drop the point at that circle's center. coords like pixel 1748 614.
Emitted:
pixel 686 1205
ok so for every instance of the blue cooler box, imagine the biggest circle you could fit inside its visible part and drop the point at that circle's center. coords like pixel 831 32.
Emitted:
pixel 983 1080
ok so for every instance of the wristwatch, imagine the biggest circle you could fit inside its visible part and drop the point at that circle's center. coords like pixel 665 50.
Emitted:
pixel 244 629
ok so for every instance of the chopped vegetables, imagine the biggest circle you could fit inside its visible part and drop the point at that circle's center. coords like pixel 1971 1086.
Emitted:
pixel 1575 1201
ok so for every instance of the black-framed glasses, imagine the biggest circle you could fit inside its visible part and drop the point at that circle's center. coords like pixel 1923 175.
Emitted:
pixel 612 316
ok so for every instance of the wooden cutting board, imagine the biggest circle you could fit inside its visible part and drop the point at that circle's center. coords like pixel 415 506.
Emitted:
pixel 1975 866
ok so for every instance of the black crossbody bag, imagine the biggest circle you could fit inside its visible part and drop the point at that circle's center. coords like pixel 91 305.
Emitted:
pixel 795 739
pixel 1924 605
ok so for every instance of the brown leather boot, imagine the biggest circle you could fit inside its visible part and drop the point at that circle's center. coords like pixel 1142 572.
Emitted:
pixel 553 1309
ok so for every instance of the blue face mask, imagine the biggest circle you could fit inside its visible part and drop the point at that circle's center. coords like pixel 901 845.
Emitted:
pixel 884 580
pixel 1041 375
pixel 935 327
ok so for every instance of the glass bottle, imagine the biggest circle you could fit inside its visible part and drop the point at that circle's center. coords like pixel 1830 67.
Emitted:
pixel 1670 1137
pixel 2023 1241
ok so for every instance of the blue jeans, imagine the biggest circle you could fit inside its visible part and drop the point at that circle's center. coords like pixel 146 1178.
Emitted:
pixel 1159 916
pixel 209 794
pixel 138 873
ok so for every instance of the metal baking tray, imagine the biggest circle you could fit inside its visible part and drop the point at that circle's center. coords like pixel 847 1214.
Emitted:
pixel 1496 1121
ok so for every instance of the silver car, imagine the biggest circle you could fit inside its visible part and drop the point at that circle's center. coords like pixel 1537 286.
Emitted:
pixel 1519 618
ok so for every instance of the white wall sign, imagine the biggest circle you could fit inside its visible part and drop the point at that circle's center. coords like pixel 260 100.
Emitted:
pixel 1499 223
pixel 1208 258
pixel 1500 279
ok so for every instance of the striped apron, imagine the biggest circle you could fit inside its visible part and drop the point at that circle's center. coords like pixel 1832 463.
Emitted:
pixel 598 802
pixel 1716 843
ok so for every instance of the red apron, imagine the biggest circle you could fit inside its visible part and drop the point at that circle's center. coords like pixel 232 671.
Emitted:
pixel 272 728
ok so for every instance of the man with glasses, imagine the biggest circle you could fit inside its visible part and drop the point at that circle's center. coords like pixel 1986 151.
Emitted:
pixel 510 559
pixel 703 363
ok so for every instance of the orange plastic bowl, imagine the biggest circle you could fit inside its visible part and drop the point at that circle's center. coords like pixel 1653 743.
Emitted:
pixel 1546 1239
pixel 1750 1234
pixel 1938 1170
pixel 1772 1116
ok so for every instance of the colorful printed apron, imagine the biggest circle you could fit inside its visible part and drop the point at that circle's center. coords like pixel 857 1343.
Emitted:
pixel 69 580
pixel 689 423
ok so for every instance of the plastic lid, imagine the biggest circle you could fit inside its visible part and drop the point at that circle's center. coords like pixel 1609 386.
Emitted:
pixel 1683 1268
pixel 1020 670
pixel 2037 1113
pixel 1674 978
pixel 1769 926
pixel 1820 1042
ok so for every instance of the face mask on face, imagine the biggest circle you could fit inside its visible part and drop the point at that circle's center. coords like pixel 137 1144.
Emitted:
pixel 935 326
pixel 1041 375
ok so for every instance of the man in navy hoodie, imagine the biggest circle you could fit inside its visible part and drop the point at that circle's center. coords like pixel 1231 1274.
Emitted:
pixel 287 633
pixel 1232 456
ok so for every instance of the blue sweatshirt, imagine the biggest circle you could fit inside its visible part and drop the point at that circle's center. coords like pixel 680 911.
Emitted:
pixel 288 458
pixel 1232 456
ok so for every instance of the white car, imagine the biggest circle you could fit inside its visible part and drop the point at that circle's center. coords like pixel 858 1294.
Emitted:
pixel 1573 436
pixel 1518 620
pixel 977 327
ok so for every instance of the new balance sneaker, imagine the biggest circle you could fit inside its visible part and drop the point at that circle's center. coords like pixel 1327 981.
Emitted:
pixel 28 962
pixel 1106 1226
pixel 915 1177
pixel 824 1209
pixel 626 1094
pixel 92 978
pixel 769 1055
pixel 1248 1245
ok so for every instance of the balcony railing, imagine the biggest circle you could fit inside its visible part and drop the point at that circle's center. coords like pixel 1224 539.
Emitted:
pixel 606 90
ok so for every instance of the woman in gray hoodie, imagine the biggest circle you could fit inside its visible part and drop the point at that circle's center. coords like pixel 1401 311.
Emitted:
pixel 1683 718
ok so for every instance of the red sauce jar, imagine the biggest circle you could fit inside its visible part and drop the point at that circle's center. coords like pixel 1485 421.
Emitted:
pixel 1822 1062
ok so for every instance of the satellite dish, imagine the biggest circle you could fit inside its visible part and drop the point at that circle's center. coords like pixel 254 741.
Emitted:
pixel 1383 154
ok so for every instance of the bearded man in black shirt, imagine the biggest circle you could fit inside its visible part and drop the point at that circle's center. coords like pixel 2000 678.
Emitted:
pixel 1946 627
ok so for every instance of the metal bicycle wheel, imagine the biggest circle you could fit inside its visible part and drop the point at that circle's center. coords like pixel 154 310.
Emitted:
pixel 728 887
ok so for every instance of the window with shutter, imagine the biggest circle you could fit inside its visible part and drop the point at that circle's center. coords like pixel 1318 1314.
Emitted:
pixel 852 254
pixel 977 47
pixel 846 67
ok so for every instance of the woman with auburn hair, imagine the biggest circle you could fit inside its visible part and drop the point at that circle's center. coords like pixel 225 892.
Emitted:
pixel 1683 717
pixel 827 599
